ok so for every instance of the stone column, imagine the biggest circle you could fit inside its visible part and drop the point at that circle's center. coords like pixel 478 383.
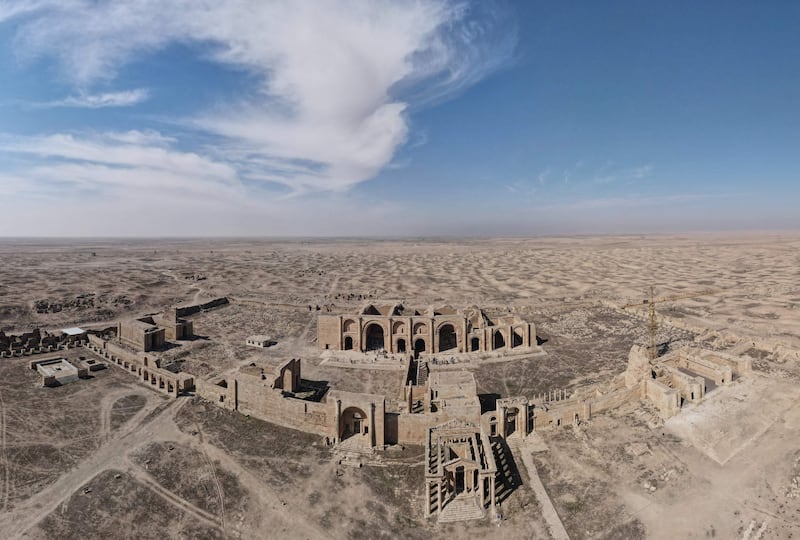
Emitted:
pixel 491 492
pixel 359 346
pixel 372 424
pixel 338 420
pixel 510 340
pixel 427 499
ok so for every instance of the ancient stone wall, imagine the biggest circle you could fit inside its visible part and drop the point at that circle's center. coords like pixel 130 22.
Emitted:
pixel 255 397
pixel 328 332
pixel 183 311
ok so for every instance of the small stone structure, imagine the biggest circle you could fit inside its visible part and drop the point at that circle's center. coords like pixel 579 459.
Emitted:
pixel 397 329
pixel 57 371
pixel 259 341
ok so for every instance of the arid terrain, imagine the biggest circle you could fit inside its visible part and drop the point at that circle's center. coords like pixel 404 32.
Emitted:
pixel 108 457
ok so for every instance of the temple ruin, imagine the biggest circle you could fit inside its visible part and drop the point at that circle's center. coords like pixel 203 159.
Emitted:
pixel 396 329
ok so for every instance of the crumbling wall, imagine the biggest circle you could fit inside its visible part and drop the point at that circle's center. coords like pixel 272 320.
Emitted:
pixel 183 311
pixel 666 399
pixel 255 397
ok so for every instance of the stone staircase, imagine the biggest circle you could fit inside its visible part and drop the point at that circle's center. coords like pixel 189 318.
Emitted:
pixel 353 451
pixel 461 509
pixel 422 373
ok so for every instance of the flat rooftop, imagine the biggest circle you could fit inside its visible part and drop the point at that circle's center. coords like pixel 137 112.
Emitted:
pixel 57 367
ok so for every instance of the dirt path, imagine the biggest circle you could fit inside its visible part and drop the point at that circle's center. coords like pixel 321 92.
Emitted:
pixel 277 514
pixel 211 467
pixel 14 524
pixel 107 407
pixel 174 499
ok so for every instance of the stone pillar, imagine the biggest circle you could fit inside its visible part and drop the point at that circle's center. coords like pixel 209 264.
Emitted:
pixel 372 424
pixel 510 340
pixel 338 420
pixel 427 499
pixel 491 492
pixel 464 345
pixel 501 421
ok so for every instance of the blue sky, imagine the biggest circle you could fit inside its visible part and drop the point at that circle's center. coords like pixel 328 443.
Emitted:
pixel 344 117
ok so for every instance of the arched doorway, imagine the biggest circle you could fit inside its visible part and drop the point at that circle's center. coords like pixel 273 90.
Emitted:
pixel 447 338
pixel 493 426
pixel 498 341
pixel 516 338
pixel 401 345
pixel 348 343
pixel 419 347
pixel 354 423
pixel 374 335
pixel 475 344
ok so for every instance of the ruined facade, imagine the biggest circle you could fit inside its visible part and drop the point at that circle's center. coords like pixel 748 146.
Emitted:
pixel 142 365
pixel 460 470
pixel 681 376
pixel 141 335
pixel 397 329
pixel 278 394
pixel 150 333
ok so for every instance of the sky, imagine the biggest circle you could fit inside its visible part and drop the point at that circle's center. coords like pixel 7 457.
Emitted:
pixel 397 118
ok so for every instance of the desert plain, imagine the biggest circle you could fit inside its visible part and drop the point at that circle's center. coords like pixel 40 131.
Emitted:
pixel 108 457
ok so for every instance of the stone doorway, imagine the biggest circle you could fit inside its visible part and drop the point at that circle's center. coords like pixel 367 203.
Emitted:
pixel 447 338
pixel 374 335
pixel 419 347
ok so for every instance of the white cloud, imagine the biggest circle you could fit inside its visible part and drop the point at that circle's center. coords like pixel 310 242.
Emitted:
pixel 116 164
pixel 126 98
pixel 336 77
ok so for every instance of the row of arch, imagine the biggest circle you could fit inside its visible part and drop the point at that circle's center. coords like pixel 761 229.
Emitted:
pixel 375 339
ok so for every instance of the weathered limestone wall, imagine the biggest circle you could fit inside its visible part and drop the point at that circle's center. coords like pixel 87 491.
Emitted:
pixel 217 394
pixel 666 399
pixel 718 372
pixel 328 332
pixel 137 335
pixel 413 428
pixel 739 365
pixel 618 396
pixel 253 396
pixel 183 311
pixel 693 388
